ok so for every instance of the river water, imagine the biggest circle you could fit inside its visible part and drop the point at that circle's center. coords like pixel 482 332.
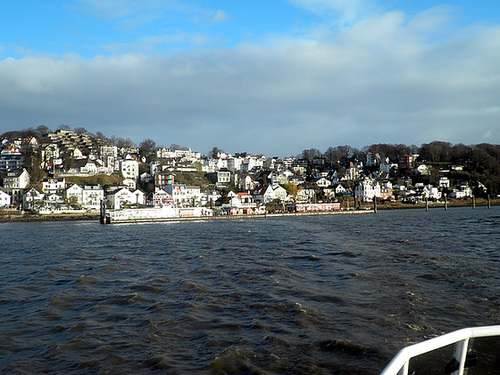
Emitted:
pixel 337 294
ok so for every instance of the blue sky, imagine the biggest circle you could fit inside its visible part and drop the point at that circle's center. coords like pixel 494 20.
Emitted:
pixel 272 77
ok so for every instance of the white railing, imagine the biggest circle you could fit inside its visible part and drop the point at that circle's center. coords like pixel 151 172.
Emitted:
pixel 400 363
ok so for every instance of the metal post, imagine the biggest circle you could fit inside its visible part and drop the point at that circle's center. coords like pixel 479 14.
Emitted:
pixel 445 202
pixel 375 204
pixel 461 355
pixel 473 202
pixel 426 203
pixel 102 216
pixel 489 203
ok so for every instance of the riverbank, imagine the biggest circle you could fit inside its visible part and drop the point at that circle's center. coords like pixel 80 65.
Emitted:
pixel 236 217
pixel 19 216
pixel 479 202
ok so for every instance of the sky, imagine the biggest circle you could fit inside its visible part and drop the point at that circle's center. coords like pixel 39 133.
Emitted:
pixel 271 77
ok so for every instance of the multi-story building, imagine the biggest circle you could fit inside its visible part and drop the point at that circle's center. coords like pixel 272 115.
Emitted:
pixel 129 167
pixel 11 158
pixel 53 185
pixel 164 178
pixel 367 190
pixel 184 195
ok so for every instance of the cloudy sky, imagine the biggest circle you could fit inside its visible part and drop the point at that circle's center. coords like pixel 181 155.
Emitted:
pixel 262 76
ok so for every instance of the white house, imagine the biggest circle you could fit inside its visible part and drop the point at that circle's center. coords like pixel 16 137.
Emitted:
pixel 73 194
pixel 139 197
pixel 464 192
pixel 14 183
pixel 423 170
pixel 88 196
pixel 84 166
pixel 323 182
pixel 221 164
pixel 129 167
pixel 352 172
pixel 432 192
pixel 184 195
pixel 221 178
pixel 177 192
pixel 386 166
pixel 372 160
pixel 208 198
pixel 130 183
pixel 53 199
pixel 280 192
pixel 242 200
pixel 241 204
pixel 279 177
pixel 92 196
pixel 161 198
pixel 367 190
pixel 305 195
pixel 234 163
pixel 246 183
pixel 51 156
pixel 386 191
pixel 444 182
pixel 31 142
pixel 17 179
pixel 264 194
pixel 193 194
pixel 124 196
pixel 53 185
pixel 341 191
pixel 33 198
pixel 5 198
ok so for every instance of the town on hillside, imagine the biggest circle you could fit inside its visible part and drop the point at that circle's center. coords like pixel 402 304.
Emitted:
pixel 44 171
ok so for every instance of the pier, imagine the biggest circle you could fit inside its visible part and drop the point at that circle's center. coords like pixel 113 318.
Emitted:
pixel 135 216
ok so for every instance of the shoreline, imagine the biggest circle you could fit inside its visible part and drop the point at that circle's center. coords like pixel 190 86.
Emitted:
pixel 239 217
pixel 19 218
pixel 16 216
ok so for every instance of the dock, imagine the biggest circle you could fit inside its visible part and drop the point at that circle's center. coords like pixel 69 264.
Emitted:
pixel 154 215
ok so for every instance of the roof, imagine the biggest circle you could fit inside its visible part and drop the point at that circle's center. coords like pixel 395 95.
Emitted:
pixel 79 163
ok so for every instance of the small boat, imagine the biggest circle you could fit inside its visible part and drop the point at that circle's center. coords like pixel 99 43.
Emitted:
pixel 474 350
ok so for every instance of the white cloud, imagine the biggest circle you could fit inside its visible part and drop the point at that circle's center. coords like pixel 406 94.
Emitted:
pixel 220 17
pixel 346 11
pixel 379 81
pixel 109 8
pixel 432 19
pixel 151 44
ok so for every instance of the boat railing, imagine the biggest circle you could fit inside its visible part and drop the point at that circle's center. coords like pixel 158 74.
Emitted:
pixel 463 357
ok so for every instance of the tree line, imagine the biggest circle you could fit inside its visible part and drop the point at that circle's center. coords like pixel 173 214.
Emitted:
pixel 481 162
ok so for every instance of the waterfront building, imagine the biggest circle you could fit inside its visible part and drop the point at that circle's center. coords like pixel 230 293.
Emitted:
pixel 184 195
pixel 123 196
pixel 367 190
pixel 53 185
pixel 33 198
pixel 5 198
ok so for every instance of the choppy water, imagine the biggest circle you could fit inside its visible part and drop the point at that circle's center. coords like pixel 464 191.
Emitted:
pixel 310 295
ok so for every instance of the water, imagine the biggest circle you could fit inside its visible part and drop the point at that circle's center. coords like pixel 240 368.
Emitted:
pixel 310 295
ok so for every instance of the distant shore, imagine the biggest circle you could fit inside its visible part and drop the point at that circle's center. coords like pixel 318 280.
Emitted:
pixel 19 216
pixel 27 217
pixel 480 202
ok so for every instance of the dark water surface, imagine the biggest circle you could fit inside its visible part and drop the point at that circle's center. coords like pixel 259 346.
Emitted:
pixel 311 295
